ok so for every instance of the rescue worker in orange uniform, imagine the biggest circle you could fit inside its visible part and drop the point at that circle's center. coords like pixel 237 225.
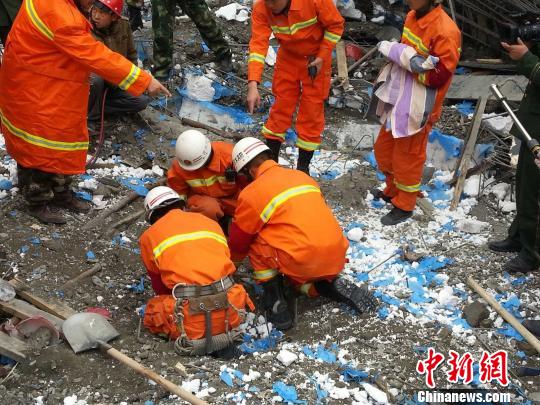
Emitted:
pixel 203 174
pixel 307 31
pixel 188 261
pixel 48 58
pixel 430 31
pixel 284 226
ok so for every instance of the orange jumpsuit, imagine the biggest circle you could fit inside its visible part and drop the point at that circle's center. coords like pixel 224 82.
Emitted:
pixel 206 189
pixel 309 29
pixel 44 85
pixel 284 225
pixel 186 247
pixel 402 159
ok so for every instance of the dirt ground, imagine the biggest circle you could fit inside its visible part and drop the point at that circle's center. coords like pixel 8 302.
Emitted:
pixel 385 348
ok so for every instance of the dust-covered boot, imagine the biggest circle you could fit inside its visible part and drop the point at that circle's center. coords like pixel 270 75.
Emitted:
pixel 275 147
pixel 47 214
pixel 342 290
pixel 304 159
pixel 396 216
pixel 275 304
pixel 224 62
pixel 67 200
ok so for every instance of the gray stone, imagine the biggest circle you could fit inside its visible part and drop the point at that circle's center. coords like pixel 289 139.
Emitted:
pixel 475 313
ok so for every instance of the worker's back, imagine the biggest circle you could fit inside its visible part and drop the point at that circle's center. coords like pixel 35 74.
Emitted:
pixel 288 212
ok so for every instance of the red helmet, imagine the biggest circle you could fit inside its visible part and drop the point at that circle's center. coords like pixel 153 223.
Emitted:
pixel 115 6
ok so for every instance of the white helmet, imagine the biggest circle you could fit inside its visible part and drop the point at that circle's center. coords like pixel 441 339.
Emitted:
pixel 159 197
pixel 245 150
pixel 192 149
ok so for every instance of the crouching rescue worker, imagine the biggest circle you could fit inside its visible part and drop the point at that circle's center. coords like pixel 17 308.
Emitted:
pixel 285 227
pixel 203 174
pixel 188 261
pixel 431 33
pixel 307 31
pixel 114 31
pixel 48 58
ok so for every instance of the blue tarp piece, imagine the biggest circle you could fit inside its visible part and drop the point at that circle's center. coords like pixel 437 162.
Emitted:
pixel 438 191
pixel 450 144
pixel 141 51
pixel 222 91
pixel 413 310
pixel 462 71
pixel 512 305
pixel 204 47
pixel 352 374
pixel 35 241
pixel 227 378
pixel 361 276
pixel 83 195
pixel 267 84
pixel 137 288
pixel 461 322
pixel 378 204
pixel 360 248
pixel 90 255
pixel 387 298
pixel 383 282
pixel 6 185
pixel 24 249
pixel 136 184
pixel 150 155
pixel 353 225
pixel 291 137
pixel 521 355
pixel 321 353
pixel 139 135
pixel 448 227
pixel 465 108
pixel 287 392
pixel 6 361
pixel 142 310
pixel 383 313
pixel 252 345
pixel 434 263
pixel 370 158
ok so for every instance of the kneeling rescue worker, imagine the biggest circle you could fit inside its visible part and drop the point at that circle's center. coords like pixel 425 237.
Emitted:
pixel 285 227
pixel 203 173
pixel 188 261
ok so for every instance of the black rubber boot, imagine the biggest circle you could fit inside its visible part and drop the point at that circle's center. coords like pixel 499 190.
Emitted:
pixel 304 159
pixel 343 290
pixel 396 216
pixel 533 326
pixel 275 304
pixel 274 146
pixel 506 246
pixel 379 195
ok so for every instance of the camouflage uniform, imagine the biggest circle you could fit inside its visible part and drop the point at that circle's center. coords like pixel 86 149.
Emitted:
pixel 40 187
pixel 163 24
pixel 8 12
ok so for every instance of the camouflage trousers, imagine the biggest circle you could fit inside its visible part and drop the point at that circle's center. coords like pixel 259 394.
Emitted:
pixel 39 187
pixel 163 26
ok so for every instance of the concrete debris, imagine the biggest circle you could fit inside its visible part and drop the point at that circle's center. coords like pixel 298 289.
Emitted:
pixel 475 313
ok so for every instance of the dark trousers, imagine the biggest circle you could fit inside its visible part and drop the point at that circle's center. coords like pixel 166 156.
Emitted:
pixel 526 226
pixel 38 187
pixel 117 100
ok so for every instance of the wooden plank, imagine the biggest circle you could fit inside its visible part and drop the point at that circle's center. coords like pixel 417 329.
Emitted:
pixel 343 72
pixel 22 309
pixel 13 348
pixel 50 305
pixel 468 151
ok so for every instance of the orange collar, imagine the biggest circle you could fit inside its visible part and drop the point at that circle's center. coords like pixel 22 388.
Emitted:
pixel 429 18
pixel 215 163
pixel 267 165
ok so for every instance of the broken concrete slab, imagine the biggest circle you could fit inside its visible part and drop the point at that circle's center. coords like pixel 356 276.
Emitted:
pixel 475 313
pixel 472 87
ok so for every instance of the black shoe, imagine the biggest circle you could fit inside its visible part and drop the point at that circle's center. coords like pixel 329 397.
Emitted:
pixel 275 304
pixel 379 195
pixel 396 216
pixel 304 159
pixel 518 265
pixel 507 246
pixel 224 62
pixel 343 290
pixel 532 326
pixel 275 147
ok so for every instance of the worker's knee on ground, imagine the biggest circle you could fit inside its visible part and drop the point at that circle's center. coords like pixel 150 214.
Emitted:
pixel 140 103
pixel 208 206
pixel 159 316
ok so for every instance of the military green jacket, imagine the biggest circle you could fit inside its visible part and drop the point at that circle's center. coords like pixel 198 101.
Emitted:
pixel 8 11
pixel 529 110
pixel 118 38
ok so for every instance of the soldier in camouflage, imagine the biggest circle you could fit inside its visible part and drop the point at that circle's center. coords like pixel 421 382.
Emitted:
pixel 134 11
pixel 200 14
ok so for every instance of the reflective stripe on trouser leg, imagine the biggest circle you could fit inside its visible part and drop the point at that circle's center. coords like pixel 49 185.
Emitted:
pixel 309 290
pixel 261 276
pixel 384 151
pixel 408 160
